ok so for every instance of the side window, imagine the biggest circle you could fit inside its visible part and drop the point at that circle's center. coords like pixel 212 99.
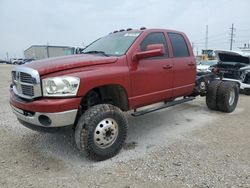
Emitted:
pixel 154 38
pixel 179 45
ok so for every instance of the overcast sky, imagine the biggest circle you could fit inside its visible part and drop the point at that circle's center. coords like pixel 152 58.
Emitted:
pixel 73 22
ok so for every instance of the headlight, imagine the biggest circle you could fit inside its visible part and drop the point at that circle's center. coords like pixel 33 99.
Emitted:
pixel 60 86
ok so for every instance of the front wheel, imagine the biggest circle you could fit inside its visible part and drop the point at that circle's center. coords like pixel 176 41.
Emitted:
pixel 101 131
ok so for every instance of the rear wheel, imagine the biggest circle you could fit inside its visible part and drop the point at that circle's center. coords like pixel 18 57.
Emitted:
pixel 227 96
pixel 211 96
pixel 101 131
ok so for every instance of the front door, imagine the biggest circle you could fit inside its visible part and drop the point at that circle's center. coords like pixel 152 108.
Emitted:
pixel 152 79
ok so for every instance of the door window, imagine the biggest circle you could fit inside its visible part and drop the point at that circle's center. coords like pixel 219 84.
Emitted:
pixel 154 38
pixel 179 45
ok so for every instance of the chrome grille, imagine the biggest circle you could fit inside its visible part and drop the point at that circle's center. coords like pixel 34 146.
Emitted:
pixel 27 90
pixel 26 78
pixel 26 82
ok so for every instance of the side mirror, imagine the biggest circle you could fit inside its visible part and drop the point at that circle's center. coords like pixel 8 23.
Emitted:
pixel 152 50
pixel 78 50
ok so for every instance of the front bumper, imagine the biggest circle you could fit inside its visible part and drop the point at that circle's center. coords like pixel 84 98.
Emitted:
pixel 45 112
pixel 58 119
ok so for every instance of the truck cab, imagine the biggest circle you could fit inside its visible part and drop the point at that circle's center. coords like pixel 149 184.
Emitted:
pixel 162 76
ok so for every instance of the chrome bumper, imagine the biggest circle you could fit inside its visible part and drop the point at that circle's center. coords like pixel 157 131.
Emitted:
pixel 58 119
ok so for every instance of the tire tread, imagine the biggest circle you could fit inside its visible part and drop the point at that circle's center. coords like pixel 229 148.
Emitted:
pixel 86 124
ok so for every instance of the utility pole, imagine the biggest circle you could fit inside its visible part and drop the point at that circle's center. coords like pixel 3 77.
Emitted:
pixel 193 47
pixel 232 35
pixel 206 39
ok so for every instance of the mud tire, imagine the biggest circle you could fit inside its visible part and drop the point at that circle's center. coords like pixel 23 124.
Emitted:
pixel 227 96
pixel 211 96
pixel 86 127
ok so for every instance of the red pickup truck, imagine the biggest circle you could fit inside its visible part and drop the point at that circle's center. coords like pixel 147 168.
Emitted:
pixel 119 72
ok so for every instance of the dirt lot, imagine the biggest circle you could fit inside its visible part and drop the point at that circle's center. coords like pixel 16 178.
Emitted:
pixel 183 146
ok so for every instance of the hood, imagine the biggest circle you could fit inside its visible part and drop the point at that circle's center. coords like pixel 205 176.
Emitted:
pixel 233 56
pixel 51 65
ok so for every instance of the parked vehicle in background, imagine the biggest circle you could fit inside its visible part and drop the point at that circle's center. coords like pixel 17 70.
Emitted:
pixel 3 61
pixel 122 71
pixel 234 66
pixel 204 66
pixel 13 61
pixel 27 60
pixel 23 61
pixel 16 61
pixel 19 61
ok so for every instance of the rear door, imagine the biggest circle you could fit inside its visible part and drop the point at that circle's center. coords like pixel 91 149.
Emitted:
pixel 184 66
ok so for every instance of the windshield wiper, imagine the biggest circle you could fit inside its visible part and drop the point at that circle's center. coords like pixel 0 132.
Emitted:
pixel 96 52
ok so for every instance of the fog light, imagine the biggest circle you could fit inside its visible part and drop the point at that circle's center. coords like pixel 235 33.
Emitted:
pixel 44 120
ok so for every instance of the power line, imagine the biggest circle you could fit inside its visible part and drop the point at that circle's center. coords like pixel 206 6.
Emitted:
pixel 241 41
pixel 243 36
pixel 242 30
pixel 212 36
pixel 219 35
pixel 212 41
pixel 222 38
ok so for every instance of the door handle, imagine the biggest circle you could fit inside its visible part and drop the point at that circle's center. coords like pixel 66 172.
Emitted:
pixel 167 66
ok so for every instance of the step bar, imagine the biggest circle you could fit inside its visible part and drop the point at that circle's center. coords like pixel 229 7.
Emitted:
pixel 166 105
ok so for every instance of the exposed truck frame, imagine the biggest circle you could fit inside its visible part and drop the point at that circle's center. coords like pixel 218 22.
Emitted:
pixel 235 67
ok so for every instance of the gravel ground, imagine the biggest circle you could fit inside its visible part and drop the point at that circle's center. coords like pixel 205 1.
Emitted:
pixel 183 146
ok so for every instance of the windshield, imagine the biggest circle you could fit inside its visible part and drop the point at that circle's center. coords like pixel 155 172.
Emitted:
pixel 115 44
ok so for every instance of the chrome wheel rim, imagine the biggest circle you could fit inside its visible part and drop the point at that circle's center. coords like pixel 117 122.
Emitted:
pixel 231 98
pixel 106 133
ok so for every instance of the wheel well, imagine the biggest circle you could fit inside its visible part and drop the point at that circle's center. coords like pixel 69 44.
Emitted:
pixel 108 94
pixel 115 95
pixel 236 82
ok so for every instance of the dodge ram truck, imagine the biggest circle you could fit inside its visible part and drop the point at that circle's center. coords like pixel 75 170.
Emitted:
pixel 120 72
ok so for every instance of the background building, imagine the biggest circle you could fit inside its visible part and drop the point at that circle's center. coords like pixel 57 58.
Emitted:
pixel 44 51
